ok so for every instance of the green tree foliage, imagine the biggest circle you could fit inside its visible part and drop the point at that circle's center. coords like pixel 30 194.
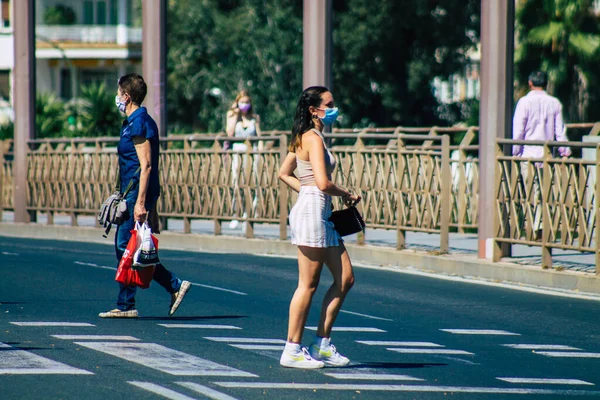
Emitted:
pixel 561 37
pixel 96 112
pixel 59 15
pixel 49 116
pixel 385 56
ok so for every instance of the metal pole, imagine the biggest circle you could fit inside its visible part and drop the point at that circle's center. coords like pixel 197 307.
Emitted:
pixel 154 59
pixel 23 100
pixel 317 45
pixel 495 115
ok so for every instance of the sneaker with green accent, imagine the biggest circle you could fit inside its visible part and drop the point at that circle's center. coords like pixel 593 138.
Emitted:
pixel 300 359
pixel 329 355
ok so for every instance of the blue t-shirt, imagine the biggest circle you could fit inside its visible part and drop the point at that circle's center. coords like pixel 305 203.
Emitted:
pixel 139 123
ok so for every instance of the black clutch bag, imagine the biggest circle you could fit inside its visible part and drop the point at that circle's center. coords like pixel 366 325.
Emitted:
pixel 347 221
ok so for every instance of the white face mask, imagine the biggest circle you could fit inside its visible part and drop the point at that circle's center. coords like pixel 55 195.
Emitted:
pixel 121 105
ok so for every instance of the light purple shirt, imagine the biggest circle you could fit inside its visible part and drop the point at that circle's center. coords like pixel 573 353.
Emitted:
pixel 538 116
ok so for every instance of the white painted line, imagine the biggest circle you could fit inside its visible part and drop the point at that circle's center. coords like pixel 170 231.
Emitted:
pixel 220 288
pixel 348 329
pixel 540 347
pixel 20 362
pixel 373 377
pixel 245 340
pixel 399 344
pixel 366 316
pixel 52 324
pixel 206 391
pixel 429 351
pixel 199 326
pixel 6 253
pixel 402 388
pixel 161 391
pixel 163 359
pixel 569 354
pixel 545 381
pixel 258 346
pixel 94 337
pixel 479 332
pixel 94 265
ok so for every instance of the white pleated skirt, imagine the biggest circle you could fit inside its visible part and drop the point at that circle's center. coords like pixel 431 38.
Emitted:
pixel 309 219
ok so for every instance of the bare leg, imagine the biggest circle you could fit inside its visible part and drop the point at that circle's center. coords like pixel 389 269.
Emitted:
pixel 339 264
pixel 310 264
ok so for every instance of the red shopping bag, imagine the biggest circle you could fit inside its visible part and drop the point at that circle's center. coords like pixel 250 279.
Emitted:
pixel 126 274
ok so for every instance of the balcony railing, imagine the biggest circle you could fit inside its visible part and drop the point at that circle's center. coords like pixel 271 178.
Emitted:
pixel 117 34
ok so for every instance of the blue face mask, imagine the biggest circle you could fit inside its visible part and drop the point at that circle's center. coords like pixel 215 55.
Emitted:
pixel 331 115
pixel 121 105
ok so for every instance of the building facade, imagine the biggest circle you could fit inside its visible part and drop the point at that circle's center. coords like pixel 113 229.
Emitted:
pixel 78 42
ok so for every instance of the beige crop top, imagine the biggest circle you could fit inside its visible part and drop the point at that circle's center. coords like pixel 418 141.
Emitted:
pixel 305 172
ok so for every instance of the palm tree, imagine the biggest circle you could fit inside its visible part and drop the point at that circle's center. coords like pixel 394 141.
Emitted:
pixel 98 115
pixel 563 36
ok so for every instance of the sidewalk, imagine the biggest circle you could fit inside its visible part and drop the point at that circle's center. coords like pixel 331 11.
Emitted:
pixel 571 271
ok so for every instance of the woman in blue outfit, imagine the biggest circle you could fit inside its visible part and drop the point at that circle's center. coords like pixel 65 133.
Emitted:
pixel 138 161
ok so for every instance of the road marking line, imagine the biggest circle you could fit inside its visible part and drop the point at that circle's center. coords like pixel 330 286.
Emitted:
pixel 52 324
pixel 399 344
pixel 195 284
pixel 162 391
pixel 94 265
pixel 403 388
pixel 373 377
pixel 220 288
pixel 244 340
pixel 479 332
pixel 199 326
pixel 540 347
pixel 571 354
pixel 163 359
pixel 15 361
pixel 546 381
pixel 6 253
pixel 258 347
pixel 94 337
pixel 429 351
pixel 366 316
pixel 208 392
pixel 348 329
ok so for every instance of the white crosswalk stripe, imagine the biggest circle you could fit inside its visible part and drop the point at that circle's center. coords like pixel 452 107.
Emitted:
pixel 163 359
pixel 258 346
pixel 199 326
pixel 20 362
pixel 546 381
pixel 206 391
pixel 569 354
pixel 428 351
pixel 95 337
pixel 398 344
pixel 41 323
pixel 479 332
pixel 372 377
pixel 160 390
pixel 540 347
pixel 245 340
pixel 348 329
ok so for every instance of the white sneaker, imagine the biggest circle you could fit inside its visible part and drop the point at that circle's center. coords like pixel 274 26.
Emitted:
pixel 329 355
pixel 234 224
pixel 300 359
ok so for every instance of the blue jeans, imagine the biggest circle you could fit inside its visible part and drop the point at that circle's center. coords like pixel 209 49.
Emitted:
pixel 162 276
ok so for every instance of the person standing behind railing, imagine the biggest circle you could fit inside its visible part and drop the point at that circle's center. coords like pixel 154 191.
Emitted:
pixel 538 116
pixel 139 151
pixel 242 122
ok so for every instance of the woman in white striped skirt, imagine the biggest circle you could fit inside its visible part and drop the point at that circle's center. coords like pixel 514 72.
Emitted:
pixel 317 240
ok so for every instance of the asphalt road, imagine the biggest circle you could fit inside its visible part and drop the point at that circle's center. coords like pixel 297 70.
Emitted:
pixel 408 336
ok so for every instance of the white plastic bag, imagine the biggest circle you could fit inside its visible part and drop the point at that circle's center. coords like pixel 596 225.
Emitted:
pixel 146 254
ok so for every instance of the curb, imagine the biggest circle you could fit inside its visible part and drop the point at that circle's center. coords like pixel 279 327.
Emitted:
pixel 468 266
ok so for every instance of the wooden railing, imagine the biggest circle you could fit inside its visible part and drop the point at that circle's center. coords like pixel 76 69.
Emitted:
pixel 411 180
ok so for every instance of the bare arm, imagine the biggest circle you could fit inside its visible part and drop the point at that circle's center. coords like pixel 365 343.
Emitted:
pixel 286 172
pixel 143 150
pixel 316 153
pixel 232 117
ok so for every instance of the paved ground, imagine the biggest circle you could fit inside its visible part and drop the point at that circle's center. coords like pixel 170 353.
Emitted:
pixel 408 336
pixel 459 243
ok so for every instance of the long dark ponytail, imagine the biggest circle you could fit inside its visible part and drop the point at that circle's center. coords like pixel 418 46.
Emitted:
pixel 303 121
